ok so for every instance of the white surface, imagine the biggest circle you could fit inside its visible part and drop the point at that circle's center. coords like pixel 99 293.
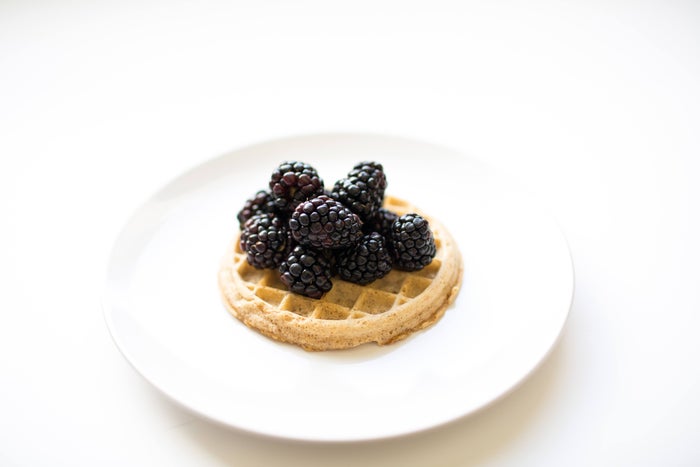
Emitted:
pixel 165 313
pixel 594 105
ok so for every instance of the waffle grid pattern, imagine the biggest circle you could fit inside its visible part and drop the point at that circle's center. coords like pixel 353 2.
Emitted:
pixel 384 311
pixel 345 300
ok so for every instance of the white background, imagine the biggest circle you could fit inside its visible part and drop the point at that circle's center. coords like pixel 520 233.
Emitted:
pixel 594 105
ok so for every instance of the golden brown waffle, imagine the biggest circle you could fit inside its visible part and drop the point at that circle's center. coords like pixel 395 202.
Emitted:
pixel 384 311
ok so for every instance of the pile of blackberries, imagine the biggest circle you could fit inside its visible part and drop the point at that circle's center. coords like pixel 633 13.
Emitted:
pixel 310 235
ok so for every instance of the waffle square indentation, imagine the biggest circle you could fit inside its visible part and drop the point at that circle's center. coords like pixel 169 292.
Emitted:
pixel 298 304
pixel 270 295
pixel 375 301
pixel 250 274
pixel 392 282
pixel 272 279
pixel 414 286
pixel 344 294
pixel 431 270
pixel 331 311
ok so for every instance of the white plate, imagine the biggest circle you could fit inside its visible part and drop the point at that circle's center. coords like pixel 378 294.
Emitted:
pixel 163 308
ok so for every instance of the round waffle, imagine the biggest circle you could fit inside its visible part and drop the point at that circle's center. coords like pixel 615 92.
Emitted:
pixel 384 311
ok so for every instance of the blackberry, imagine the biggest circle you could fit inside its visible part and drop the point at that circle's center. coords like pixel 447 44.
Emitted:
pixel 306 271
pixel 332 258
pixel 264 240
pixel 362 190
pixel 365 262
pixel 323 222
pixel 412 242
pixel 294 182
pixel 262 202
pixel 381 222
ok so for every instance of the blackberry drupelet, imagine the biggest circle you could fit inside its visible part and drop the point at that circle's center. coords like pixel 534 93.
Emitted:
pixel 365 262
pixel 362 190
pixel 262 202
pixel 381 222
pixel 322 222
pixel 306 271
pixel 412 242
pixel 294 182
pixel 264 239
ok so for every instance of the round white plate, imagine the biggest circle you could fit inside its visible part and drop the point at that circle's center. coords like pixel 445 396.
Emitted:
pixel 163 308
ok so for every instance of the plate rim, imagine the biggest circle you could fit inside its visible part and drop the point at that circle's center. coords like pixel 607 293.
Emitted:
pixel 108 307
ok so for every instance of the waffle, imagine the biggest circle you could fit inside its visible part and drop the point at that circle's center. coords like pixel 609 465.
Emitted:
pixel 384 311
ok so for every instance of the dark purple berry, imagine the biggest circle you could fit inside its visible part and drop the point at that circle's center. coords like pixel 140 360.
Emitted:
pixel 294 182
pixel 264 240
pixel 412 243
pixel 362 190
pixel 365 262
pixel 381 222
pixel 323 222
pixel 262 202
pixel 307 272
